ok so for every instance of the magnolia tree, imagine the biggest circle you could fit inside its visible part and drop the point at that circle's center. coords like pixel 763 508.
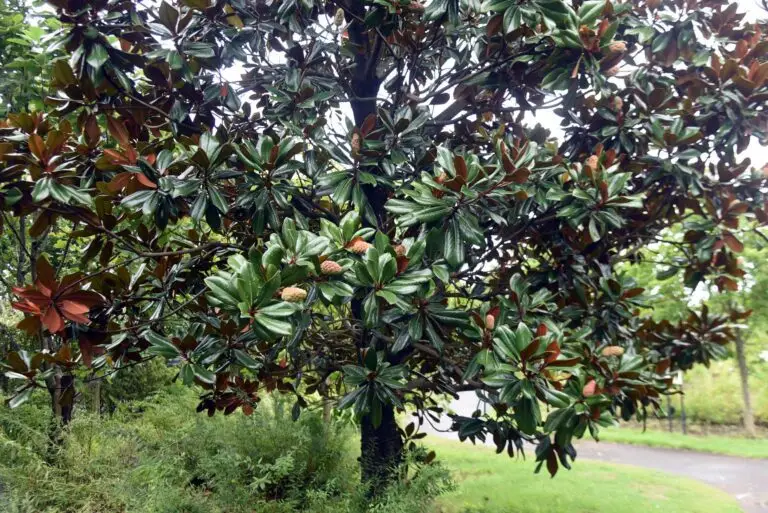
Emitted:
pixel 347 201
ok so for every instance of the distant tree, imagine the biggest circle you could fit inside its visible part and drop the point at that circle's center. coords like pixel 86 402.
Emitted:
pixel 23 85
pixel 753 338
pixel 345 199
pixel 657 271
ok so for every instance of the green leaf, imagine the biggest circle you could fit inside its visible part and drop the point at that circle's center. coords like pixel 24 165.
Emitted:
pixel 483 359
pixel 594 232
pixel 354 374
pixel 175 60
pixel 454 245
pixel 168 16
pixel 223 289
pixel 343 191
pixel 512 19
pixel 375 411
pixel 20 398
pixel 218 200
pixel 607 36
pixel 42 189
pixel 371 359
pixel 556 398
pixel 273 255
pixel 527 415
pixel 279 310
pixel 187 374
pixel 97 56
pixel 245 359
pixel 402 341
pixel 371 261
pixel 371 311
pixel 199 49
pixel 274 325
pixel 203 374
pixel 590 11
pixel 352 397
pixel 558 418
pixel 160 345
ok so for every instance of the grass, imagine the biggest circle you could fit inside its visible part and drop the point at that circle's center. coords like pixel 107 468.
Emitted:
pixel 734 446
pixel 490 483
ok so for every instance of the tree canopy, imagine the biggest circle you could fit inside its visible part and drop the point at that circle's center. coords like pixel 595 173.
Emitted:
pixel 351 200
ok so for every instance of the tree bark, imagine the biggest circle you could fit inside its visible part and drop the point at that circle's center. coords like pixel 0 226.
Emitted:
pixel 66 403
pixel 381 447
pixel 61 387
pixel 95 389
pixel 381 451
pixel 747 415
pixel 6 349
pixel 327 412
pixel 20 272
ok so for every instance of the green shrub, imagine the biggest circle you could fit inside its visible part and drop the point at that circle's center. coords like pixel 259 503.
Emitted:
pixel 159 456
pixel 714 395
pixel 136 383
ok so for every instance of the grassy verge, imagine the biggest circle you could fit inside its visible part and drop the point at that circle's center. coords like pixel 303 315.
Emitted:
pixel 734 446
pixel 490 483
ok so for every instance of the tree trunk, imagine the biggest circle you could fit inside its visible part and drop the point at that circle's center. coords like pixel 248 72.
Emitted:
pixel 20 271
pixel 67 398
pixel 5 350
pixel 747 416
pixel 61 388
pixel 327 412
pixel 95 390
pixel 381 451
pixel 381 447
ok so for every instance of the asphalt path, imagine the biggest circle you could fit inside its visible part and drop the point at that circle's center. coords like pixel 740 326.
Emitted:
pixel 744 478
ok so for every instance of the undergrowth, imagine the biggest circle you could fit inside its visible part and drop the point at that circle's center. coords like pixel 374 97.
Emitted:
pixel 160 456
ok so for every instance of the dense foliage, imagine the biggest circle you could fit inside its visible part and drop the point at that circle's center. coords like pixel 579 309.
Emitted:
pixel 345 199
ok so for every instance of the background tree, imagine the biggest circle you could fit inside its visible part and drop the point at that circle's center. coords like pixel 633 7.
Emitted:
pixel 23 85
pixel 658 273
pixel 25 29
pixel 344 199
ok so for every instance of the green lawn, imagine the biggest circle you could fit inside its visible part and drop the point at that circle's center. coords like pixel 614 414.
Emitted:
pixel 490 483
pixel 735 446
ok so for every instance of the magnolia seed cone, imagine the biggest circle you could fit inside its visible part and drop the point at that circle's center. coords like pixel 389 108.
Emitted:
pixel 617 47
pixel 359 247
pixel 613 351
pixel 330 268
pixel 293 294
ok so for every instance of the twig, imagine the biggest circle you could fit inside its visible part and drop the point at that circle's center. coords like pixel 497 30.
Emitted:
pixel 66 250
pixel 118 369
pixel 18 237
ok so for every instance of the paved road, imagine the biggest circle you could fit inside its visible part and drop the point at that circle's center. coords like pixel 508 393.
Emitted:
pixel 746 479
